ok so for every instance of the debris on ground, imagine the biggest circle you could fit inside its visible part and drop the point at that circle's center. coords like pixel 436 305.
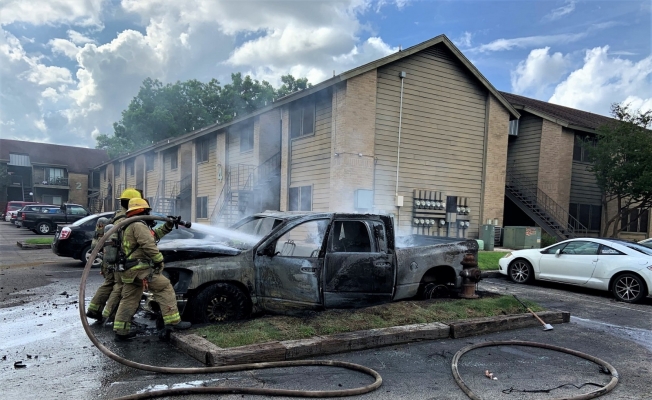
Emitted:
pixel 490 375
pixel 19 364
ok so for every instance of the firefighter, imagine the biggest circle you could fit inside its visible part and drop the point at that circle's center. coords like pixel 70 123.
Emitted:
pixel 107 297
pixel 143 267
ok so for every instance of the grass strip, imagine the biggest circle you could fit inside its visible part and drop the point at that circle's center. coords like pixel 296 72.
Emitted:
pixel 488 260
pixel 273 328
pixel 47 240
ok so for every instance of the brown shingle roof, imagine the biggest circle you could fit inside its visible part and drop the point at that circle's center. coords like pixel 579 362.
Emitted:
pixel 571 115
pixel 76 159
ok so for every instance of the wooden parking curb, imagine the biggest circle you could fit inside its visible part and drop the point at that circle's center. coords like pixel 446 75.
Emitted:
pixel 27 246
pixel 212 355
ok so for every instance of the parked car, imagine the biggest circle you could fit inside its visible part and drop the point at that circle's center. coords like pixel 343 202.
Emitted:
pixel 646 242
pixel 42 208
pixel 619 266
pixel 46 222
pixel 12 208
pixel 284 262
pixel 75 240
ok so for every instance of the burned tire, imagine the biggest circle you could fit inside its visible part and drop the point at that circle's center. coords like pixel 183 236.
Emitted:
pixel 629 288
pixel 43 228
pixel 520 271
pixel 221 302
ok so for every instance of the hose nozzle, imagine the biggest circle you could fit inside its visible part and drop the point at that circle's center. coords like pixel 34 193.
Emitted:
pixel 186 224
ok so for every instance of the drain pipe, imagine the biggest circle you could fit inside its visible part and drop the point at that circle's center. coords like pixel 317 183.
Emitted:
pixel 402 75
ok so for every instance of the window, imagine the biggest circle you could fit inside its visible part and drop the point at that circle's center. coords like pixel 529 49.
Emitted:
pixel 76 210
pixel 300 198
pixel 350 237
pixel 202 207
pixel 149 162
pixel 304 240
pixel 580 152
pixel 52 199
pixel 54 176
pixel 116 169
pixel 302 119
pixel 130 168
pixel 174 160
pixel 608 251
pixel 581 248
pixel 588 215
pixel 202 150
pixel 636 220
pixel 246 138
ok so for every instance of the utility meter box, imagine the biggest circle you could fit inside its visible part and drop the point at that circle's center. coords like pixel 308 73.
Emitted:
pixel 522 237
pixel 487 235
pixel 364 199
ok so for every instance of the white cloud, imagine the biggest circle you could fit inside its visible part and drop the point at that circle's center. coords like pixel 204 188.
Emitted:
pixel 539 71
pixel 604 80
pixel 560 12
pixel 464 40
pixel 78 38
pixel 529 41
pixel 39 12
pixel 40 125
pixel 65 47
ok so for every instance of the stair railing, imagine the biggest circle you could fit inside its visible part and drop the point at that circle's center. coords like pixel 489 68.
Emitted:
pixel 531 191
pixel 222 200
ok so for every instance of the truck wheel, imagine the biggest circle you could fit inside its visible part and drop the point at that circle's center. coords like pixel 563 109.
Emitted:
pixel 85 255
pixel 43 228
pixel 221 302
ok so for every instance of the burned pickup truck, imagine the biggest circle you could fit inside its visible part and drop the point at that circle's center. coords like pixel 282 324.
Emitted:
pixel 284 262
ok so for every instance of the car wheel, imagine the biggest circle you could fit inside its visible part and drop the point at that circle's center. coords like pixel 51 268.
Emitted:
pixel 221 302
pixel 43 228
pixel 86 254
pixel 629 288
pixel 520 271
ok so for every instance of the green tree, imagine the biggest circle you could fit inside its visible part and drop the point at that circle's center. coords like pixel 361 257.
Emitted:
pixel 621 160
pixel 160 111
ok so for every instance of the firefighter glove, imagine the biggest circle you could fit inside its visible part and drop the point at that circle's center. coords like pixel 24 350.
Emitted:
pixel 158 267
pixel 174 221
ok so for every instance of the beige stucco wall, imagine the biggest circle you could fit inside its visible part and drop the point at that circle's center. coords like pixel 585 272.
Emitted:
pixel 352 144
pixel 493 196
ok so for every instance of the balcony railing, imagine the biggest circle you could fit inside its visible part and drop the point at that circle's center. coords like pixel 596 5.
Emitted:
pixel 51 182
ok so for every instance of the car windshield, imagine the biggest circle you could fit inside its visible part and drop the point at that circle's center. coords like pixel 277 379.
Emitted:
pixel 14 208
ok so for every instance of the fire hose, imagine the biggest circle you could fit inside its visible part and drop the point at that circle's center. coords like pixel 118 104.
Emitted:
pixel 303 363
pixel 206 370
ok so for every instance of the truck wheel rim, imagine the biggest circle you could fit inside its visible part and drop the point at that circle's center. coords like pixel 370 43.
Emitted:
pixel 219 309
pixel 44 229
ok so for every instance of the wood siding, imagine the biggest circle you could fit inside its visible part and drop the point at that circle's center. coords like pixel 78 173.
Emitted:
pixel 235 157
pixel 442 133
pixel 169 173
pixel 152 179
pixel 523 150
pixel 207 175
pixel 310 156
pixel 584 188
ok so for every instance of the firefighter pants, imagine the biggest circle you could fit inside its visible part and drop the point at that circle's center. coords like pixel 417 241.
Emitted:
pixel 114 299
pixel 103 292
pixel 132 291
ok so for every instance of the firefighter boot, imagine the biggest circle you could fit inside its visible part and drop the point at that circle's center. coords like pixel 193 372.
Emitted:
pixel 94 315
pixel 124 338
pixel 164 334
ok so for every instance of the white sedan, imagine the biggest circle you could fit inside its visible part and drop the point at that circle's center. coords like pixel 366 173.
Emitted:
pixel 622 267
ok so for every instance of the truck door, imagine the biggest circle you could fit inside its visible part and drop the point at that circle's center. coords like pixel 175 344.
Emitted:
pixel 357 269
pixel 288 268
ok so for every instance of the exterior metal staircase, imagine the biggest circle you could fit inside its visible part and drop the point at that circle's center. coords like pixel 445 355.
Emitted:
pixel 165 201
pixel 544 211
pixel 244 188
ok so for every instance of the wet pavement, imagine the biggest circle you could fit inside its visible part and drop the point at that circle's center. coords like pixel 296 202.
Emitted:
pixel 40 327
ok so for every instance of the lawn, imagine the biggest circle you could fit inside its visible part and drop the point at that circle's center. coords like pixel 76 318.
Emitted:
pixel 47 240
pixel 488 260
pixel 272 328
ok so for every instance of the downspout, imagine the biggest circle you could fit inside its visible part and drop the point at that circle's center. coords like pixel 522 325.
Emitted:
pixel 398 147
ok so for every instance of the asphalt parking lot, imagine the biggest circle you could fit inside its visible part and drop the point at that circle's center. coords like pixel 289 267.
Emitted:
pixel 38 319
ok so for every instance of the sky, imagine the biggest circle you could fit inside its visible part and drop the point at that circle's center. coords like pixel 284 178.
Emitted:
pixel 69 67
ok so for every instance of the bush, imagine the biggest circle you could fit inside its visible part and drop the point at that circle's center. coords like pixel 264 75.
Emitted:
pixel 547 240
